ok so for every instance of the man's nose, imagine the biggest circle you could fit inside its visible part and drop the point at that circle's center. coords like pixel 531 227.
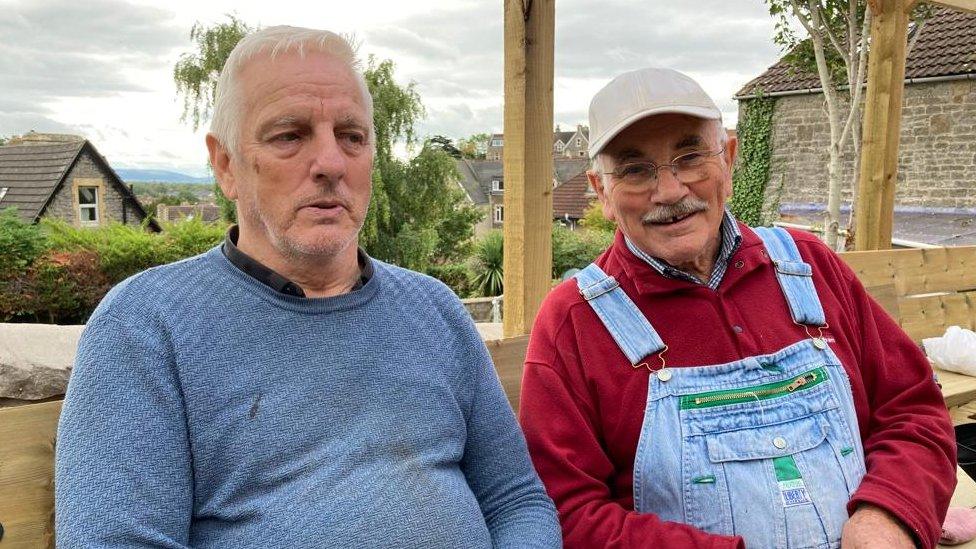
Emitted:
pixel 328 160
pixel 669 190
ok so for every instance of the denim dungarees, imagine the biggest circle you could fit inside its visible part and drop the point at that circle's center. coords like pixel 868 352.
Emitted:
pixel 766 447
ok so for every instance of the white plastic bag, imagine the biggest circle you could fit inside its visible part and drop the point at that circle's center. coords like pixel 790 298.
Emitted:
pixel 955 351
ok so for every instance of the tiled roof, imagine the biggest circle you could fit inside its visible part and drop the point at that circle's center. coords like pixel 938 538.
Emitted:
pixel 32 172
pixel 571 198
pixel 562 136
pixel 566 168
pixel 208 213
pixel 473 173
pixel 945 47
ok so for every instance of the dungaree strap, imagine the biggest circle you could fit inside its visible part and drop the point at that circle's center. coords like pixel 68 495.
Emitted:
pixel 795 276
pixel 630 329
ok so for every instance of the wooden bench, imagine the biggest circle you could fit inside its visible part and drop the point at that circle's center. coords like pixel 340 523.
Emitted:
pixel 925 290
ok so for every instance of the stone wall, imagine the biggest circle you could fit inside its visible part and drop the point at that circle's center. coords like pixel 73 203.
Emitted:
pixel 937 162
pixel 484 309
pixel 64 206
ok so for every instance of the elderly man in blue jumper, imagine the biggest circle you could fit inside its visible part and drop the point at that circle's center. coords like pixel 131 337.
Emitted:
pixel 284 389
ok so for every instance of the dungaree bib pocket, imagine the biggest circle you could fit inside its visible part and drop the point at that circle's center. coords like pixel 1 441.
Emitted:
pixel 770 462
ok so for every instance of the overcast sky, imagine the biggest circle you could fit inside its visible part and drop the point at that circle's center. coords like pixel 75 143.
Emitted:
pixel 103 68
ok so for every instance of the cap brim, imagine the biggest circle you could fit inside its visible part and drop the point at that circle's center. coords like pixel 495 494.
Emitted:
pixel 699 112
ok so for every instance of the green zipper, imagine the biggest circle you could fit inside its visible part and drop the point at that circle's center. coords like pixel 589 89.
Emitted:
pixel 802 382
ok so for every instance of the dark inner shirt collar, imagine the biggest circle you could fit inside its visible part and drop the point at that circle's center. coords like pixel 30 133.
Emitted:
pixel 267 276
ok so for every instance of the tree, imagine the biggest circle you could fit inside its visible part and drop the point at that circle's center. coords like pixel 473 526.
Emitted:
pixel 836 48
pixel 417 215
pixel 445 144
pixel 475 146
pixel 196 76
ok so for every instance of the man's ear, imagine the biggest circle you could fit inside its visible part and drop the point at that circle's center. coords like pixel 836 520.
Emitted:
pixel 220 160
pixel 596 181
pixel 731 147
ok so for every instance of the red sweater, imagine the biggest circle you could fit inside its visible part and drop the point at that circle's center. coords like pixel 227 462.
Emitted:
pixel 582 404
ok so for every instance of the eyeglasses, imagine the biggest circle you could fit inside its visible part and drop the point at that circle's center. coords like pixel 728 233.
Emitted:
pixel 687 168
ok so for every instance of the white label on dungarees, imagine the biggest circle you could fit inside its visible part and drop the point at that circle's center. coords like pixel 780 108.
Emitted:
pixel 793 492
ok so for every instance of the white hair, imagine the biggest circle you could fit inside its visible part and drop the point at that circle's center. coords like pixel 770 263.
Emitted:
pixel 599 162
pixel 274 41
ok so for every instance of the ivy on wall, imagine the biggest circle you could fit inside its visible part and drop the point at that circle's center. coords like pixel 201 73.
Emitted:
pixel 752 170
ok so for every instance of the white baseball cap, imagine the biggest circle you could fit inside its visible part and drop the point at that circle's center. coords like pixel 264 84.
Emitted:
pixel 638 94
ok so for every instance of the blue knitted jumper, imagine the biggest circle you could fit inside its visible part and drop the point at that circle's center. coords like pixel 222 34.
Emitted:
pixel 207 410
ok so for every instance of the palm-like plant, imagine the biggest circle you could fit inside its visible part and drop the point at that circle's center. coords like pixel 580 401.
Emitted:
pixel 488 258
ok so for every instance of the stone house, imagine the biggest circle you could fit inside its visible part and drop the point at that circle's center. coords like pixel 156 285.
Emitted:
pixel 64 177
pixel 937 155
pixel 483 182
pixel 565 144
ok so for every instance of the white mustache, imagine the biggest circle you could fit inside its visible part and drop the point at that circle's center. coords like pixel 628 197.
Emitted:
pixel 667 212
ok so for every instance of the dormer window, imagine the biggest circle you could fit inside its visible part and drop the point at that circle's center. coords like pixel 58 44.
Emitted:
pixel 496 142
pixel 497 185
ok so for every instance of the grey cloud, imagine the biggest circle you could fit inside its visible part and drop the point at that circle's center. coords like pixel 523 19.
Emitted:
pixel 461 50
pixel 54 49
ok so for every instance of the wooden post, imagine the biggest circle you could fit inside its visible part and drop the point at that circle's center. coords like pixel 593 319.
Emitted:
pixel 882 124
pixel 529 34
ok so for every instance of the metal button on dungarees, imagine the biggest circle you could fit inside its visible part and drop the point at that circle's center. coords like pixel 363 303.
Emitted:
pixel 664 374
pixel 779 442
pixel 739 264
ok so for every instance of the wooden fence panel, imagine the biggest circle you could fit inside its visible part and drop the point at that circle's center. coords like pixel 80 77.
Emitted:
pixel 509 358
pixel 27 435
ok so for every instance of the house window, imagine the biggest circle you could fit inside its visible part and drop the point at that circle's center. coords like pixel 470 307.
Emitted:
pixel 559 146
pixel 3 192
pixel 582 153
pixel 497 185
pixel 499 213
pixel 579 141
pixel 88 204
pixel 497 142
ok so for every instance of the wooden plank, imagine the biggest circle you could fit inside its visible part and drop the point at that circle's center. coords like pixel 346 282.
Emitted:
pixel 930 316
pixel 882 125
pixel 917 271
pixel 529 35
pixel 957 389
pixel 27 435
pixel 509 358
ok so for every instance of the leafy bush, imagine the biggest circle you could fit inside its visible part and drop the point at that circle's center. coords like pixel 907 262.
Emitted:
pixel 594 220
pixel 56 273
pixel 457 276
pixel 576 249
pixel 20 243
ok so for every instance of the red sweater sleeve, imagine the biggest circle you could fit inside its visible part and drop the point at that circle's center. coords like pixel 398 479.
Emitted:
pixel 909 443
pixel 561 430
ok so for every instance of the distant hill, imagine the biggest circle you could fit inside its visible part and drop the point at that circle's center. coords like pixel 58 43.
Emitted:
pixel 130 175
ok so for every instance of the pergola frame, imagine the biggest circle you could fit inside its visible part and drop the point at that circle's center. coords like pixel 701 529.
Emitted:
pixel 529 37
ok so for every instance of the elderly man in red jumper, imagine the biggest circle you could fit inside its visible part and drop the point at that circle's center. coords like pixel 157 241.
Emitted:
pixel 704 384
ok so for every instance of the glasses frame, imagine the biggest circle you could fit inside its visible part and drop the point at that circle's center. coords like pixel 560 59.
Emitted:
pixel 706 156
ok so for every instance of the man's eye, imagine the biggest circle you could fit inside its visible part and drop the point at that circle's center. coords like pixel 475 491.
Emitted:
pixel 286 137
pixel 635 170
pixel 355 138
pixel 689 160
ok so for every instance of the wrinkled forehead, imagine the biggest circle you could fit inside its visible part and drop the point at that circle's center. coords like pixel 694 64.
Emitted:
pixel 268 78
pixel 665 134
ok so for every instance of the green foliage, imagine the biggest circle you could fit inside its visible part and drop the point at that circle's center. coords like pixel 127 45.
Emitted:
pixel 56 273
pixel 594 220
pixel 457 276
pixel 445 144
pixel 752 170
pixel 576 249
pixel 428 220
pixel 196 73
pixel 20 243
pixel 475 146
pixel 488 262
pixel 124 250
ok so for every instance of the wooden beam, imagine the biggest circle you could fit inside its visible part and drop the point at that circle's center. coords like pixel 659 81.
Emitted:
pixel 882 125
pixel 529 34
pixel 963 5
